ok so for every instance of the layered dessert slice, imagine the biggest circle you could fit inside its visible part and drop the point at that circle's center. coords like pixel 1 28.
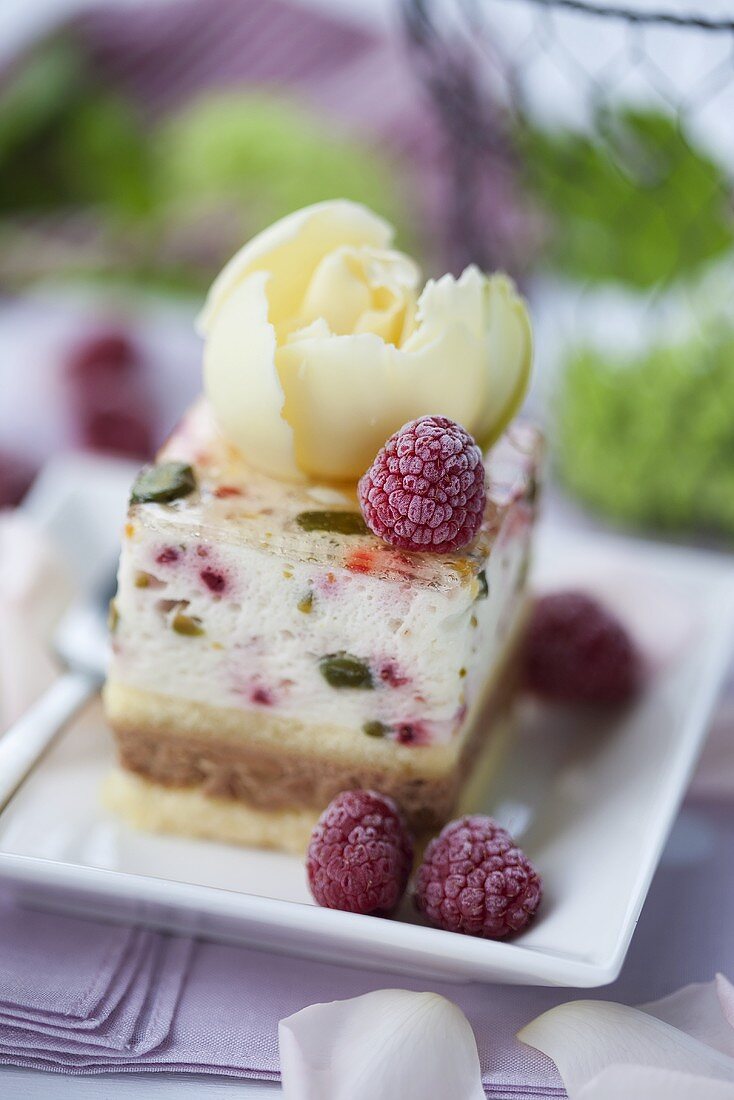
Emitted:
pixel 269 649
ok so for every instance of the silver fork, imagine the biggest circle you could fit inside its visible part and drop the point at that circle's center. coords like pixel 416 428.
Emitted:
pixel 81 644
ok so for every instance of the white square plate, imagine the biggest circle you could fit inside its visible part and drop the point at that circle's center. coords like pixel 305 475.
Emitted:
pixel 590 799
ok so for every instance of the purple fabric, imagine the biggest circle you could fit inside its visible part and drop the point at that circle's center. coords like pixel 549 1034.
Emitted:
pixel 215 1009
pixel 140 1022
pixel 48 1021
pixel 161 58
pixel 73 981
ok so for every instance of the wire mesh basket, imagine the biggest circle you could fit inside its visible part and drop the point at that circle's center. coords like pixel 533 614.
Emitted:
pixel 592 156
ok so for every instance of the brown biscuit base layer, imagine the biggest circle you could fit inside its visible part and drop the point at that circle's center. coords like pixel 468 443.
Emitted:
pixel 269 780
pixel 187 811
pixel 275 763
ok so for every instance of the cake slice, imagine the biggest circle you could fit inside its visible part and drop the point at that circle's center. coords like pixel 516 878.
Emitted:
pixel 269 651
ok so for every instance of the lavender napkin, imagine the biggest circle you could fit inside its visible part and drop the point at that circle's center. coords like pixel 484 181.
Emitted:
pixel 50 1022
pixel 225 1019
pixel 73 984
pixel 138 1024
pixel 73 991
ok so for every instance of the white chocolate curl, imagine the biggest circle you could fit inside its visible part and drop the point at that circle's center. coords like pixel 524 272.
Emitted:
pixel 319 347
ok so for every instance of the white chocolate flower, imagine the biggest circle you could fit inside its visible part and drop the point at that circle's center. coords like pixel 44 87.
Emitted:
pixel 318 346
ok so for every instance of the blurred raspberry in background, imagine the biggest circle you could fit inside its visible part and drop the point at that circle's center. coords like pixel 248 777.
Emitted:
pixel 16 475
pixel 109 398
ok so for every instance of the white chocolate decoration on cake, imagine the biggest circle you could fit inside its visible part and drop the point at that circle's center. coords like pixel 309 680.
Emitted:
pixel 319 345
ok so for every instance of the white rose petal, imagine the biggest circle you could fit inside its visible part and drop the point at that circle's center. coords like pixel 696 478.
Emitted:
pixel 645 1083
pixel 583 1038
pixel 725 994
pixel 387 1045
pixel 703 1010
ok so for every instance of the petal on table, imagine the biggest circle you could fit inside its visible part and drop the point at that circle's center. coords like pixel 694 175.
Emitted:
pixel 701 1010
pixel 646 1083
pixel 585 1037
pixel 387 1045
pixel 725 993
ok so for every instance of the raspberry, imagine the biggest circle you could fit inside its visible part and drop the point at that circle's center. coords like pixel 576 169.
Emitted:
pixel 214 580
pixel 107 350
pixel 16 475
pixel 425 490
pixel 360 854
pixel 577 652
pixel 119 430
pixel 110 399
pixel 476 881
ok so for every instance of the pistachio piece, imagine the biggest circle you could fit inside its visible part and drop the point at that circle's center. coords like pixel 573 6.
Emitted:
pixel 306 604
pixel 339 523
pixel 483 584
pixel 113 617
pixel 163 483
pixel 187 624
pixel 342 670
pixel 375 728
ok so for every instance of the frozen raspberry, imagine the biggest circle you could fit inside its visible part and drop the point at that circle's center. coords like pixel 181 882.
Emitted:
pixel 476 881
pixel 425 490
pixel 360 854
pixel 577 652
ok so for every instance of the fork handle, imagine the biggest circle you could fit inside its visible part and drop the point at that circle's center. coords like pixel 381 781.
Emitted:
pixel 22 745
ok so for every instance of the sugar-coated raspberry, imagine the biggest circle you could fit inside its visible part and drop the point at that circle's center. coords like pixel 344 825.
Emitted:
pixel 578 652
pixel 425 489
pixel 360 854
pixel 475 880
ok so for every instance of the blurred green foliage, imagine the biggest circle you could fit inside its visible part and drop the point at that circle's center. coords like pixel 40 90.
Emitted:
pixel 635 200
pixel 64 142
pixel 649 440
pixel 266 155
pixel 69 145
